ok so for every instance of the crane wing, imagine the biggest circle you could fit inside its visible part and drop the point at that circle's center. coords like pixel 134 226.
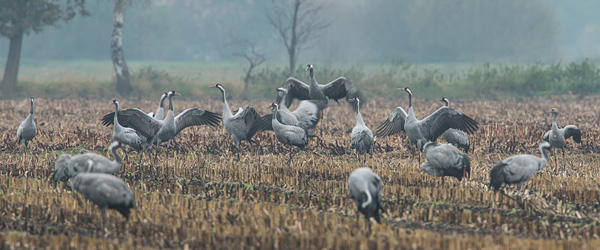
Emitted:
pixel 296 89
pixel 394 124
pixel 195 117
pixel 252 119
pixel 572 130
pixel 340 88
pixel 444 118
pixel 136 119
pixel 547 136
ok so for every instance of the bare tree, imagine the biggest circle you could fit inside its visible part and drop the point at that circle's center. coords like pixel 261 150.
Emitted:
pixel 297 24
pixel 254 59
pixel 116 49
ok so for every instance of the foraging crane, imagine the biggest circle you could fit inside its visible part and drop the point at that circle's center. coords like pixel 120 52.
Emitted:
pixel 445 160
pixel 455 137
pixel 336 89
pixel 518 169
pixel 160 111
pixel 428 129
pixel 159 131
pixel 365 190
pixel 241 126
pixel 68 166
pixel 106 191
pixel 557 137
pixel 27 129
pixel 306 115
pixel 288 134
pixel 361 137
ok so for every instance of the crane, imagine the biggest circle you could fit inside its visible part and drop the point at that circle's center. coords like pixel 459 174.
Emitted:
pixel 106 191
pixel 518 169
pixel 361 137
pixel 241 126
pixel 365 189
pixel 288 134
pixel 456 137
pixel 428 129
pixel 27 129
pixel 558 136
pixel 67 166
pixel 336 89
pixel 445 160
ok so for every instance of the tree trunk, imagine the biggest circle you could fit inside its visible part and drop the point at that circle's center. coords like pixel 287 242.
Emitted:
pixel 116 49
pixel 11 71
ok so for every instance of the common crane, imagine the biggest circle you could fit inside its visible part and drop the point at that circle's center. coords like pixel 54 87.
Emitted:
pixel 306 115
pixel 241 126
pixel 106 191
pixel 68 166
pixel 336 89
pixel 456 137
pixel 558 136
pixel 27 129
pixel 159 131
pixel 288 134
pixel 160 111
pixel 518 169
pixel 361 137
pixel 445 160
pixel 365 190
pixel 428 129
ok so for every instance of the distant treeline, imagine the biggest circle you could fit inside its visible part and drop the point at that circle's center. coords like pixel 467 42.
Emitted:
pixel 362 31
pixel 479 81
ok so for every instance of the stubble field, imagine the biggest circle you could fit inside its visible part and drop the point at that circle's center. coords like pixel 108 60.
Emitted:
pixel 204 198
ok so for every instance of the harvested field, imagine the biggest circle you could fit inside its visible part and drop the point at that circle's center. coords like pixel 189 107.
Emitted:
pixel 204 198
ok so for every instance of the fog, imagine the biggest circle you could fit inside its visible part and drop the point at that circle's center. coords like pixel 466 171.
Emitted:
pixel 369 31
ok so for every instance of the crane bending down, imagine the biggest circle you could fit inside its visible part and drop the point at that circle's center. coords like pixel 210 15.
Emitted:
pixel 558 136
pixel 336 89
pixel 365 189
pixel 445 160
pixel 68 166
pixel 288 134
pixel 27 129
pixel 518 169
pixel 243 125
pixel 455 137
pixel 428 129
pixel 106 191
pixel 361 137
pixel 163 130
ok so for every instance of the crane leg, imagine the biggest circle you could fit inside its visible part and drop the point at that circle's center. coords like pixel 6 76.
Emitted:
pixel 292 153
pixel 555 161
pixel 564 160
pixel 103 222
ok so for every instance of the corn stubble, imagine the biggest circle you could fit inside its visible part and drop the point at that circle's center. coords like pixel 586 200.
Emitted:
pixel 212 201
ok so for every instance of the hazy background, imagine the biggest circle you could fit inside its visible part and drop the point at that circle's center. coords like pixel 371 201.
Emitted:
pixel 362 31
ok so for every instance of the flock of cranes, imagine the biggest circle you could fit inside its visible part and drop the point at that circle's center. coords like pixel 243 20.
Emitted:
pixel 91 174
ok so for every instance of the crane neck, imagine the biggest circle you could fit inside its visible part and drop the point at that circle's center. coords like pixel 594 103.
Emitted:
pixel 226 110
pixel 447 103
pixel 554 124
pixel 281 99
pixel 359 118
pixel 162 102
pixel 314 90
pixel 115 119
pixel 171 103
pixel 274 121
pixel 113 150
pixel 31 107
pixel 543 148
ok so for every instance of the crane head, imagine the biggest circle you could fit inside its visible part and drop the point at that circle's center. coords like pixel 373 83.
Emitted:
pixel 554 111
pixel 31 98
pixel 308 67
pixel 445 100
pixel 407 89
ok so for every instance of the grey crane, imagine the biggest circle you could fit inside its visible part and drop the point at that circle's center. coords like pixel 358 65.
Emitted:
pixel 518 169
pixel 361 137
pixel 27 129
pixel 456 137
pixel 127 136
pixel 336 89
pixel 68 166
pixel 365 190
pixel 428 129
pixel 306 115
pixel 106 191
pixel 158 131
pixel 288 134
pixel 445 160
pixel 160 111
pixel 558 136
pixel 241 126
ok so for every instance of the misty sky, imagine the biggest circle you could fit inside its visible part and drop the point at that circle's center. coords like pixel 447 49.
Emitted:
pixel 361 31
